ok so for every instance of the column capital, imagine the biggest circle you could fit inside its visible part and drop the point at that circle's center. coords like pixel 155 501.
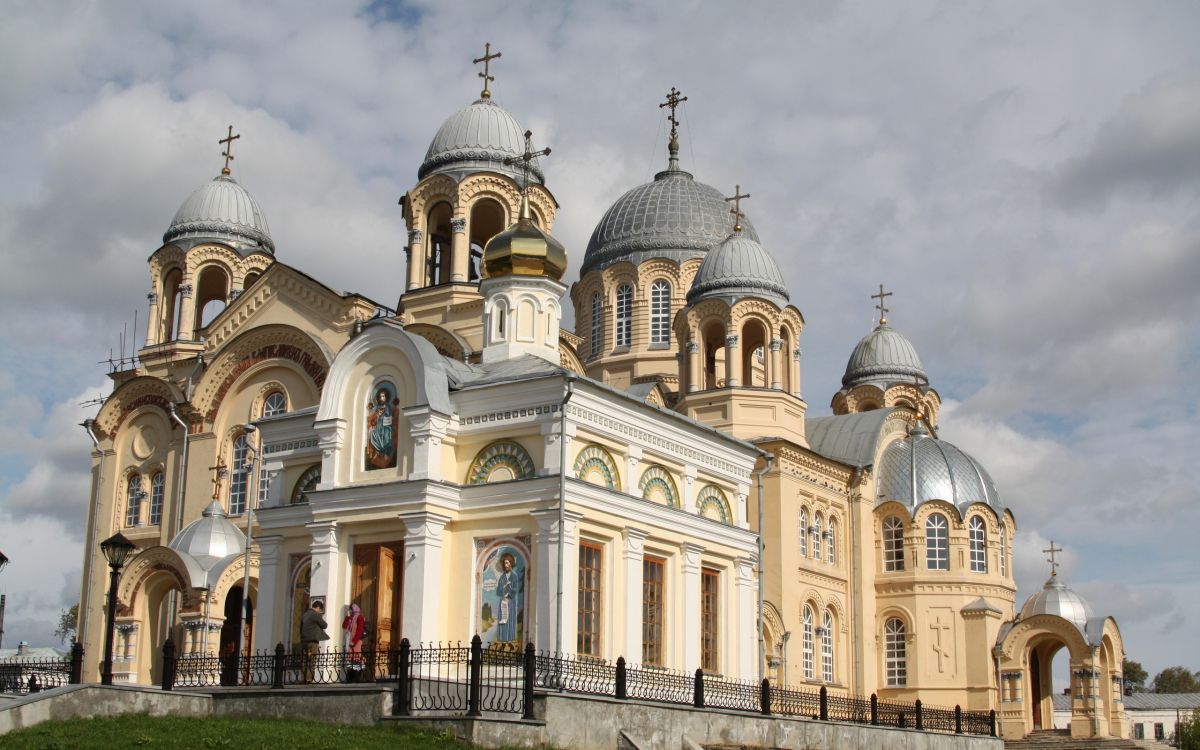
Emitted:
pixel 324 535
pixel 269 544
pixel 745 569
pixel 690 557
pixel 547 521
pixel 634 541
pixel 731 340
pixel 458 224
pixel 415 236
pixel 423 527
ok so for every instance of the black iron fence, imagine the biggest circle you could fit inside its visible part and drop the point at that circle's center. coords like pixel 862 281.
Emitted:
pixel 20 674
pixel 471 679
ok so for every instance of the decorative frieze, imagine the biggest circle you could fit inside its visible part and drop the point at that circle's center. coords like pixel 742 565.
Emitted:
pixel 510 414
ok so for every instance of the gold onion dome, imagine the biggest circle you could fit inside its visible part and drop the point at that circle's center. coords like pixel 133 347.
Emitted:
pixel 525 249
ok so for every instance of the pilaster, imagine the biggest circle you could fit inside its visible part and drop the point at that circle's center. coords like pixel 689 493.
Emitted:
pixel 632 553
pixel 423 540
pixel 326 559
pixel 428 430
pixel 689 574
pixel 551 609
pixel 270 603
pixel 746 586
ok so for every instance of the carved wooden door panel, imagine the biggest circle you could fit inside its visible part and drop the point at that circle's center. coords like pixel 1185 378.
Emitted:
pixel 385 603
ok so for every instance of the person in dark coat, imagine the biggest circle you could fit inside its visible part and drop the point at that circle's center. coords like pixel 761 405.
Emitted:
pixel 312 632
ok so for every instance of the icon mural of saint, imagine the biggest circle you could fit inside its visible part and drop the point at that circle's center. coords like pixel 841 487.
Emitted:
pixel 502 594
pixel 381 430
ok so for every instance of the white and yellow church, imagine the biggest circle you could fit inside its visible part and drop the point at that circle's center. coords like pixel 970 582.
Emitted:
pixel 647 486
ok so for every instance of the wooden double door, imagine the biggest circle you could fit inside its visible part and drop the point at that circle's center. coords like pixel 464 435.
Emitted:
pixel 377 585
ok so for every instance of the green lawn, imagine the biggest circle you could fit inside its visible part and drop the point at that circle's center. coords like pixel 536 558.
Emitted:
pixel 219 732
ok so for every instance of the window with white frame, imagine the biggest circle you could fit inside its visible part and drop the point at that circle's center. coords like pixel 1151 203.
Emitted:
pixel 937 543
pixel 660 312
pixel 808 643
pixel 597 324
pixel 893 544
pixel 827 647
pixel 274 404
pixel 157 483
pixel 133 506
pixel 977 534
pixel 895 657
pixel 239 475
pixel 818 523
pixel 804 532
pixel 831 541
pixel 624 315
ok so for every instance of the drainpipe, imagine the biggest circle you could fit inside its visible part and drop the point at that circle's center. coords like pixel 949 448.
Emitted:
pixel 768 462
pixel 856 579
pixel 93 511
pixel 562 508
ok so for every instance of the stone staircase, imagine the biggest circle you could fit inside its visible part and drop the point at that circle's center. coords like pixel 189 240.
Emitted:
pixel 1060 739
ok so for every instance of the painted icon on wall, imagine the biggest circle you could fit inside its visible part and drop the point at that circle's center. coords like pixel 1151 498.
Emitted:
pixel 501 578
pixel 381 427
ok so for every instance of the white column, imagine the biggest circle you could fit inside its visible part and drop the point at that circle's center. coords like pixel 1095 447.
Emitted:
pixel 416 258
pixel 689 488
pixel 746 586
pixel 422 577
pixel 688 624
pixel 551 458
pixel 330 436
pixel 269 605
pixel 632 554
pixel 739 513
pixel 548 606
pixel 630 480
pixel 326 569
pixel 428 429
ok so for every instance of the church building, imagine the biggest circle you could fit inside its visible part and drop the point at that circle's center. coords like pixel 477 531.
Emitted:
pixel 648 485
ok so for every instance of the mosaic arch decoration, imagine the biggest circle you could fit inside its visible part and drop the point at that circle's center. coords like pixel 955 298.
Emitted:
pixel 306 483
pixel 502 587
pixel 658 486
pixel 596 466
pixel 381 427
pixel 502 461
pixel 711 503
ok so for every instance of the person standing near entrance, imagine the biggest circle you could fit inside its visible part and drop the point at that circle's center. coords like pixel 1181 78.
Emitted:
pixel 312 632
pixel 355 628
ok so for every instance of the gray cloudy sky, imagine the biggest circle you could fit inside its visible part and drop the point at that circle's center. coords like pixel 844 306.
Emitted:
pixel 1024 176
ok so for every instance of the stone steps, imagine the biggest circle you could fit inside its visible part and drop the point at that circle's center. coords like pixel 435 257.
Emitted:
pixel 1060 739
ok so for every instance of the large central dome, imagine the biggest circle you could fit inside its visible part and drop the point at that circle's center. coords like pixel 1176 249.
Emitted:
pixel 477 138
pixel 672 217
pixel 920 467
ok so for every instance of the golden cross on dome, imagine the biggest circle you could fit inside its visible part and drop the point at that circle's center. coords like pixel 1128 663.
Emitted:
pixel 1053 552
pixel 228 152
pixel 737 207
pixel 526 158
pixel 219 471
pixel 486 60
pixel 883 311
pixel 673 101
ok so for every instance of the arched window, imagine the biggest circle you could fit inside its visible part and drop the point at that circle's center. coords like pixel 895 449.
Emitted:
pixel 831 540
pixel 937 543
pixel 827 647
pixel 274 404
pixel 804 532
pixel 660 312
pixel 893 544
pixel 896 659
pixel 624 315
pixel 808 643
pixel 818 523
pixel 597 325
pixel 156 498
pixel 134 494
pixel 978 538
pixel 239 475
pixel 1003 551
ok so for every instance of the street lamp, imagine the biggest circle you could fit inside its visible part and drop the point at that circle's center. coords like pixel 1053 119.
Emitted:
pixel 117 550
pixel 252 497
pixel 3 562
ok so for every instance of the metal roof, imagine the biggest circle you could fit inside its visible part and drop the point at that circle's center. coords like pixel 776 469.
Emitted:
pixel 884 357
pixel 1058 600
pixel 478 138
pixel 921 467
pixel 210 538
pixel 739 267
pixel 222 210
pixel 848 438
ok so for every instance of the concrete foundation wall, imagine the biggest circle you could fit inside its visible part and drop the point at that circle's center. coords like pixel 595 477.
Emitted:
pixel 87 701
pixel 336 705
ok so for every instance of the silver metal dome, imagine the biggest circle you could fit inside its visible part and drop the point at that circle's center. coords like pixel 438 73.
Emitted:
pixel 921 467
pixel 477 138
pixel 211 538
pixel 739 267
pixel 672 217
pixel 222 210
pixel 1056 599
pixel 884 357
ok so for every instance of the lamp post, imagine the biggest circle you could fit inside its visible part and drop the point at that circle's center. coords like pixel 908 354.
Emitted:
pixel 251 499
pixel 3 599
pixel 117 550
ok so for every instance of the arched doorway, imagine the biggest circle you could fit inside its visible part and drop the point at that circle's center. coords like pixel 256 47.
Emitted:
pixel 230 631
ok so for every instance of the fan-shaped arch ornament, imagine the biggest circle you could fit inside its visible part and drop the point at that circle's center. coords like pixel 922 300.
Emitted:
pixel 711 503
pixel 596 466
pixel 658 486
pixel 501 461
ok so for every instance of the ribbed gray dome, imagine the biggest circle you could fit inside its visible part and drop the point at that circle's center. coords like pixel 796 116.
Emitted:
pixel 211 538
pixel 884 357
pixel 478 138
pixel 672 217
pixel 739 267
pixel 921 467
pixel 222 210
pixel 1056 599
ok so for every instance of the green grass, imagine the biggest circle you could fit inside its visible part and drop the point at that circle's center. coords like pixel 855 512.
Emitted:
pixel 172 733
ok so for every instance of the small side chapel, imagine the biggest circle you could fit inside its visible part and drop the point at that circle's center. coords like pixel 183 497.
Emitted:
pixel 649 486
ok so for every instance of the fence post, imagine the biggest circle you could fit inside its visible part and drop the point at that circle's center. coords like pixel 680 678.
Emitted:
pixel 403 704
pixel 277 668
pixel 824 704
pixel 698 689
pixel 76 675
pixel 992 723
pixel 764 697
pixel 958 719
pixel 476 676
pixel 874 709
pixel 920 716
pixel 168 672
pixel 529 676
pixel 622 694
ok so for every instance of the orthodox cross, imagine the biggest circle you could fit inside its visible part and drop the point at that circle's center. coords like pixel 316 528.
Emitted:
pixel 228 152
pixel 1053 552
pixel 938 627
pixel 737 207
pixel 673 101
pixel 486 60
pixel 883 311
pixel 219 471
pixel 526 158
